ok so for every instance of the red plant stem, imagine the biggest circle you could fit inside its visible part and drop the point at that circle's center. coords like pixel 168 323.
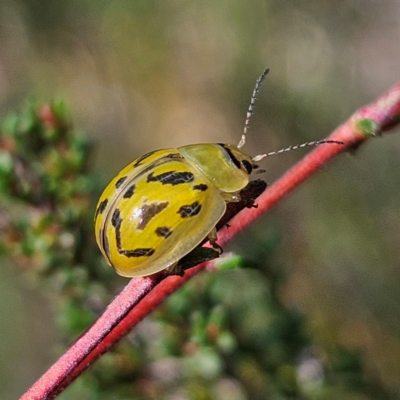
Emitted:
pixel 135 315
pixel 142 295
pixel 46 386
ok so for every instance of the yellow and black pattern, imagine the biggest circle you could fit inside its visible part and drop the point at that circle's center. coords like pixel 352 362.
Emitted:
pixel 152 214
pixel 163 204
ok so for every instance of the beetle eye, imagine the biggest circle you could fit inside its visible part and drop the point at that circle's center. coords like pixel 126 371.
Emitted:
pixel 247 166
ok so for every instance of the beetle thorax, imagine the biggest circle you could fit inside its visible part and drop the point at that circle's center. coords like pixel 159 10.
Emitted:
pixel 221 164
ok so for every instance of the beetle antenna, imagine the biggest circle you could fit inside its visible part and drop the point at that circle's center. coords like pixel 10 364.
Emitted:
pixel 252 105
pixel 298 146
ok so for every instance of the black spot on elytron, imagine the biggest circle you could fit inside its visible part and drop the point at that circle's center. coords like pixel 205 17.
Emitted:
pixel 116 219
pixel 163 231
pixel 116 222
pixel 171 178
pixel 231 156
pixel 149 211
pixel 202 187
pixel 190 210
pixel 120 181
pixel 105 244
pixel 139 252
pixel 159 161
pixel 141 159
pixel 129 192
pixel 102 206
pixel 247 166
pixel 147 155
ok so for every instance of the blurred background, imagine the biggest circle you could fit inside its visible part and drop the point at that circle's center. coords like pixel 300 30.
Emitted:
pixel 142 75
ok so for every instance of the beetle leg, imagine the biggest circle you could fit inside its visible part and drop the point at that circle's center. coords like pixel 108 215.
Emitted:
pixel 175 269
pixel 196 256
pixel 212 237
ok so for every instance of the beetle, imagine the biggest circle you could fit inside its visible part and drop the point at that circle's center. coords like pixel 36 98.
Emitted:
pixel 165 203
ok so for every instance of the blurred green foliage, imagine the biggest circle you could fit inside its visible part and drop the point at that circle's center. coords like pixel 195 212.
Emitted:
pixel 225 335
pixel 142 75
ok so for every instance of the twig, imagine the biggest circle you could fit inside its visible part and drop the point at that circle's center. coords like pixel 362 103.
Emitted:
pixel 142 295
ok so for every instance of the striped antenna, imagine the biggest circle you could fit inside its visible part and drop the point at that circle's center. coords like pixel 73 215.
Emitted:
pixel 298 146
pixel 250 113
pixel 252 105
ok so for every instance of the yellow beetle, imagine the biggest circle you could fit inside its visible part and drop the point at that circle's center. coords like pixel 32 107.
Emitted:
pixel 165 203
pixel 161 206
